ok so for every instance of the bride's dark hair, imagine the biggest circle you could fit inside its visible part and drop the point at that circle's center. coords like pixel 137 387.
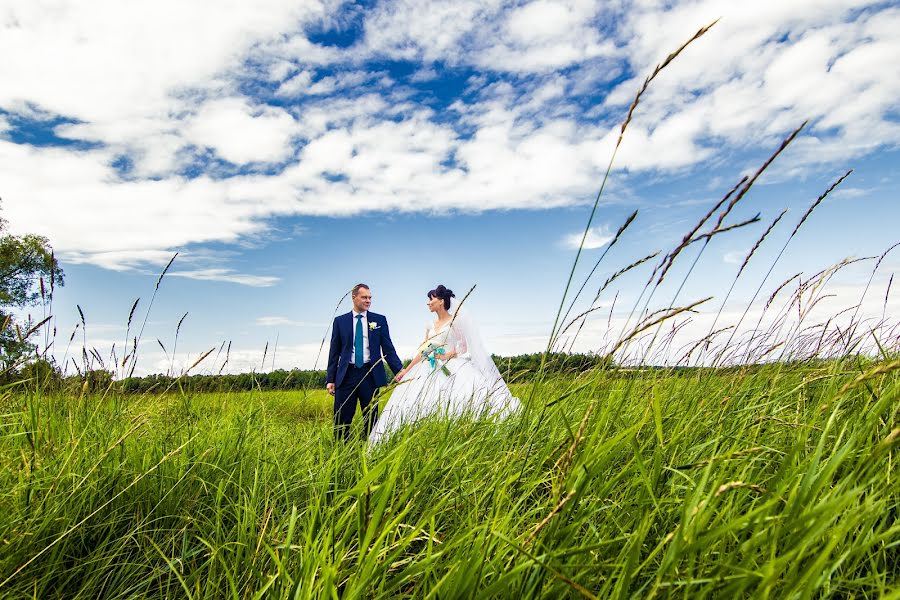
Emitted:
pixel 442 293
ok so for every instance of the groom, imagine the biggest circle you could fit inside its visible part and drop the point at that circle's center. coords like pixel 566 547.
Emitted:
pixel 359 338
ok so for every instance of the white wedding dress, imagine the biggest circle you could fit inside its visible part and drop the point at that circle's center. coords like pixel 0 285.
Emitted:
pixel 467 385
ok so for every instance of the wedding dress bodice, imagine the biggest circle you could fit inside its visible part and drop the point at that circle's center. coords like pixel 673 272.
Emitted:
pixel 448 337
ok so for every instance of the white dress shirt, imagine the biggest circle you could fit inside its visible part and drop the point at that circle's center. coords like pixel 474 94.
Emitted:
pixel 365 328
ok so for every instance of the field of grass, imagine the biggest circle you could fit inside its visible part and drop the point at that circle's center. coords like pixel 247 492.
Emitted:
pixel 730 479
pixel 767 482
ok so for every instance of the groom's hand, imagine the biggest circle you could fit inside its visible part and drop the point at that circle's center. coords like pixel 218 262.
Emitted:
pixel 330 388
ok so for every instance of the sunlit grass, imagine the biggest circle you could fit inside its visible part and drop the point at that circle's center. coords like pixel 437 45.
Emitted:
pixel 757 479
pixel 779 481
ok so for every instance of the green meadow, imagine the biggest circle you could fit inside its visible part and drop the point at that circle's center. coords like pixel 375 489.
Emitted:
pixel 778 481
pixel 763 467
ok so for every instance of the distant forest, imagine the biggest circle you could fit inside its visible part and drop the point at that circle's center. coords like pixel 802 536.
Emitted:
pixel 514 369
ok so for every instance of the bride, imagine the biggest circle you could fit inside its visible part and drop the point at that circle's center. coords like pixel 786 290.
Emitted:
pixel 451 375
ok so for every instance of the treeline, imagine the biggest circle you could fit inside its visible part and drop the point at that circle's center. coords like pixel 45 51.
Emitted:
pixel 280 379
pixel 524 366
pixel 515 369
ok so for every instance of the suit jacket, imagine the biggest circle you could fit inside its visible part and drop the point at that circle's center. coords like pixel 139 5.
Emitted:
pixel 340 353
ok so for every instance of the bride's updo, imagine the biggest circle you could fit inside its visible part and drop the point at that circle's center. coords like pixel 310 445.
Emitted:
pixel 442 293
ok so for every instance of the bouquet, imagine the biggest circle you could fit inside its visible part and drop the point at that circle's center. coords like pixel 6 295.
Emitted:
pixel 430 351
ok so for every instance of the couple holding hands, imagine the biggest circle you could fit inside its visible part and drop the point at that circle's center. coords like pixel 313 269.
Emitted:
pixel 451 374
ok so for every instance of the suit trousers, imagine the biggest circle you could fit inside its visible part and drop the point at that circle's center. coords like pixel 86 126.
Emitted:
pixel 358 385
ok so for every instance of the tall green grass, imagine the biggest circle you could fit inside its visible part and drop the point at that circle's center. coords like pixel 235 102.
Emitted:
pixel 768 469
pixel 772 482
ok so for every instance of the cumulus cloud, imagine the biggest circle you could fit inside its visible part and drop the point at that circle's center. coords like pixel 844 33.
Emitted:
pixel 239 360
pixel 596 237
pixel 277 321
pixel 76 200
pixel 546 35
pixel 304 83
pixel 765 68
pixel 332 134
pixel 524 38
pixel 427 31
pixel 241 133
pixel 227 275
pixel 111 60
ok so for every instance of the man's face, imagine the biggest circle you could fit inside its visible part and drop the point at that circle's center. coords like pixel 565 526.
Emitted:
pixel 362 300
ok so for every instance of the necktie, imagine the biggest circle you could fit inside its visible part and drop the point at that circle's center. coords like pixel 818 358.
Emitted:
pixel 358 342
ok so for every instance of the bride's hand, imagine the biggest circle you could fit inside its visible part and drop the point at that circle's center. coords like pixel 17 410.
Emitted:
pixel 399 375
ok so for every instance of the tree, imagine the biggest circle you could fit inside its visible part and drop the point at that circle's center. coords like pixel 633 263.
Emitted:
pixel 29 272
pixel 43 374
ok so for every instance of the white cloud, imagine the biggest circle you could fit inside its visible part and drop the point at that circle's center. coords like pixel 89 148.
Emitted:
pixel 426 74
pixel 850 192
pixel 76 200
pixel 241 133
pixel 302 84
pixel 532 37
pixel 762 70
pixel 120 260
pixel 240 360
pixel 541 20
pixel 297 85
pixel 545 35
pixel 429 31
pixel 117 60
pixel 227 275
pixel 130 73
pixel 597 237
pixel 357 143
pixel 277 321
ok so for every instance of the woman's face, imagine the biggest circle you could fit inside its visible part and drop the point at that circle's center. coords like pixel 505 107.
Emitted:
pixel 434 304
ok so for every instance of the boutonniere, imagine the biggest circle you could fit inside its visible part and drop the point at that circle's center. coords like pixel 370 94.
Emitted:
pixel 373 326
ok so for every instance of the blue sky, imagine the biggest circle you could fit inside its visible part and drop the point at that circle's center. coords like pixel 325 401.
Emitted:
pixel 287 150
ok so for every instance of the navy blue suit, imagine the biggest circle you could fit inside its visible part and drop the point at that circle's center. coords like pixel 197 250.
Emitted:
pixel 352 384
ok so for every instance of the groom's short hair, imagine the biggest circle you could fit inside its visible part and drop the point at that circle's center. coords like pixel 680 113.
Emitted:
pixel 357 287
